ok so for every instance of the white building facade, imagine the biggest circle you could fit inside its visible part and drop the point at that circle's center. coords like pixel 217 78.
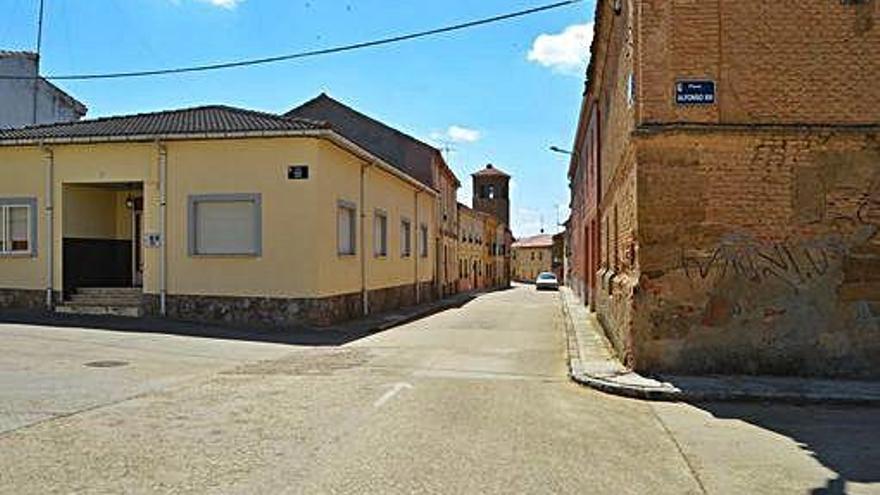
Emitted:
pixel 18 105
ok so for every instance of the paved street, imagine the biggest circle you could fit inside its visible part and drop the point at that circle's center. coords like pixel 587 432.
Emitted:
pixel 472 400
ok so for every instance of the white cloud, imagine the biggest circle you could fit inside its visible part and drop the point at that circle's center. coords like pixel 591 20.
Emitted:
pixel 457 134
pixel 226 4
pixel 566 52
pixel 463 134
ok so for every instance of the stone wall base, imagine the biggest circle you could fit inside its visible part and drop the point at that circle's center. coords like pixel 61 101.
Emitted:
pixel 279 311
pixel 22 299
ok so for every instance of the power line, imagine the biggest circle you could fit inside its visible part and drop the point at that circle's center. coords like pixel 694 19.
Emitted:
pixel 312 53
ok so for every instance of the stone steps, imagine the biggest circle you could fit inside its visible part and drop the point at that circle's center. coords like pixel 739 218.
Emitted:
pixel 108 301
pixel 75 309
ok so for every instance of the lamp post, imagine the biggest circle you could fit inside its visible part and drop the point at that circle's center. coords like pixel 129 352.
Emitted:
pixel 565 247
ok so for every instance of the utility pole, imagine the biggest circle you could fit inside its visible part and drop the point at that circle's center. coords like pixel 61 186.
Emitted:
pixel 37 62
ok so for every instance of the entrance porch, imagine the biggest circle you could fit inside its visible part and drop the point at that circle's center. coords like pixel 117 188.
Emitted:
pixel 102 251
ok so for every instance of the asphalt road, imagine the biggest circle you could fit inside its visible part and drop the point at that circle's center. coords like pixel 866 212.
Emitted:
pixel 472 400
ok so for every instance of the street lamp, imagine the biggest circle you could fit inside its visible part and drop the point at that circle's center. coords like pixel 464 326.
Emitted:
pixel 557 149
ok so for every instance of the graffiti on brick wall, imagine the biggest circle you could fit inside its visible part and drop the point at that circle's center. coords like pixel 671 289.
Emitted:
pixel 794 264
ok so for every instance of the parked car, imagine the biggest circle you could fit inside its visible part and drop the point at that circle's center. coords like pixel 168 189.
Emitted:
pixel 547 281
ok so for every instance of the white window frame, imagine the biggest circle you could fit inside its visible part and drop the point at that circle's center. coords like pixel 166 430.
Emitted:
pixel 380 234
pixel 351 209
pixel 192 221
pixel 8 204
pixel 405 238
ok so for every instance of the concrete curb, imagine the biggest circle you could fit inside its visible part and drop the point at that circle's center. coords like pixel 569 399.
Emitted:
pixel 613 378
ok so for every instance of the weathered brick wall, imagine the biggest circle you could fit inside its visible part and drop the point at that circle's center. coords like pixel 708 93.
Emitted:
pixel 619 274
pixel 784 61
pixel 759 252
pixel 616 212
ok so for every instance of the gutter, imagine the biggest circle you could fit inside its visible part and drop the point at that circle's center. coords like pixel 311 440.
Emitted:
pixel 163 246
pixel 365 295
pixel 49 160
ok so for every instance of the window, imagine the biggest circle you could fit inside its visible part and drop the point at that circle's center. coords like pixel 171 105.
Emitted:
pixel 225 224
pixel 533 256
pixel 346 228
pixel 380 233
pixel 423 241
pixel 491 191
pixel 616 240
pixel 405 238
pixel 18 226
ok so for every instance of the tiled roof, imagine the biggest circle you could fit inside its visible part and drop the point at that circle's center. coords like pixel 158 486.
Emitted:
pixel 543 240
pixel 400 150
pixel 490 170
pixel 217 119
pixel 16 53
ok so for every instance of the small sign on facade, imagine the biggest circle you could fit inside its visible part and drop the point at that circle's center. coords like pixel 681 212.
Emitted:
pixel 152 240
pixel 298 172
pixel 695 92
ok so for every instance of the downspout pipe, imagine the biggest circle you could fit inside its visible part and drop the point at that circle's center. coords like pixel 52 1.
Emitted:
pixel 418 253
pixel 49 160
pixel 163 244
pixel 365 299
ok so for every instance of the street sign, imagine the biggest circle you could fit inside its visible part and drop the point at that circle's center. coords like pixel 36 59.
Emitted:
pixel 695 92
pixel 298 172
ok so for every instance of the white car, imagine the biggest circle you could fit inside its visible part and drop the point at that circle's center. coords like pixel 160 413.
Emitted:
pixel 547 281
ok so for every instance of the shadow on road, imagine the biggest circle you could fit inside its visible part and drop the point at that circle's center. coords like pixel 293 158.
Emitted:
pixel 300 335
pixel 845 440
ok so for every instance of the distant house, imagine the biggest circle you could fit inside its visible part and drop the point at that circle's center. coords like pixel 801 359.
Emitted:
pixel 532 256
pixel 19 106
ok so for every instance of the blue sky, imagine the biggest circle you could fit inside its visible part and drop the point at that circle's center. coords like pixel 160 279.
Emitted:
pixel 501 93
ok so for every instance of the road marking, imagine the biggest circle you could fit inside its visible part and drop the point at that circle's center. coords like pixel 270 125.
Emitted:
pixel 395 389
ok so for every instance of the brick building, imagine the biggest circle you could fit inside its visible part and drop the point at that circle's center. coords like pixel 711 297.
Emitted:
pixel 726 185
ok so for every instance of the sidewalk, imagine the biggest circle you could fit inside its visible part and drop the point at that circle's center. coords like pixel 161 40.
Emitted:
pixel 592 363
pixel 333 335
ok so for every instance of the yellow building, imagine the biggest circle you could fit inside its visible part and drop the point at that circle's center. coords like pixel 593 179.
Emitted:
pixel 531 256
pixel 470 252
pixel 416 158
pixel 211 213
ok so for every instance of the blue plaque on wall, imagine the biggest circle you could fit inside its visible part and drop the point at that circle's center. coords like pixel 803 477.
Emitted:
pixel 695 92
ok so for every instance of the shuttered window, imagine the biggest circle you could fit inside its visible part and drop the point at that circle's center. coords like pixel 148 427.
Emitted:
pixel 405 238
pixel 423 241
pixel 380 234
pixel 225 224
pixel 346 222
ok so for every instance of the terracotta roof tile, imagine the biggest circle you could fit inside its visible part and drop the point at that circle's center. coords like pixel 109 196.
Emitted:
pixel 543 240
pixel 215 119
pixel 490 170
pixel 400 150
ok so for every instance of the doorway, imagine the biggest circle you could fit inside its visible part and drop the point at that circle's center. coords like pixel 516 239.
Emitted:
pixel 102 232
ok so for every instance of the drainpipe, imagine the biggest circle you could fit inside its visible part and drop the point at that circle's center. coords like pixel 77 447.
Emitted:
pixel 163 244
pixel 49 160
pixel 418 250
pixel 364 294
